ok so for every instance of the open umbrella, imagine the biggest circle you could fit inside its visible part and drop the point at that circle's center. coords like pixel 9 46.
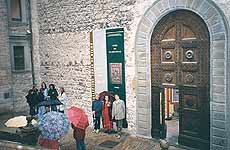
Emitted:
pixel 53 125
pixel 50 102
pixel 78 117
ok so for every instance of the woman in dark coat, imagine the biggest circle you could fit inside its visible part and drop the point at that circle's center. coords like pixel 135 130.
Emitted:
pixel 53 94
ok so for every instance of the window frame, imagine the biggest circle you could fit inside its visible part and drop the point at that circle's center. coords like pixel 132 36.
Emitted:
pixel 16 67
pixel 24 12
pixel 27 55
pixel 20 9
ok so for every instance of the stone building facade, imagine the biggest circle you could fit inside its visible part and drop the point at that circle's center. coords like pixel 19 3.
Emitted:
pixel 15 36
pixel 61 54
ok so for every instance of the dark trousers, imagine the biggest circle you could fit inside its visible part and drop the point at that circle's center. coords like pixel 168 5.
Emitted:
pixel 32 110
pixel 53 107
pixel 97 122
pixel 80 145
pixel 119 126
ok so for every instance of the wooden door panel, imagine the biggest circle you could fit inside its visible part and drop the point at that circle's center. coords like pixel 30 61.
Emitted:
pixel 180 57
pixel 155 112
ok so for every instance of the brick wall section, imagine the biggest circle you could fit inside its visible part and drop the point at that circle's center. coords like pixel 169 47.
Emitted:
pixel 5 66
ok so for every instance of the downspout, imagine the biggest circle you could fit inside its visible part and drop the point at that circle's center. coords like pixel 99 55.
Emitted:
pixel 31 43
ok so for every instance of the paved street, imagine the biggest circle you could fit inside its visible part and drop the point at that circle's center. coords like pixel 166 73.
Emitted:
pixel 99 141
pixel 95 142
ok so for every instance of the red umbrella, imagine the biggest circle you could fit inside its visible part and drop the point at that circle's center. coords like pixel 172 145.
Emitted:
pixel 78 117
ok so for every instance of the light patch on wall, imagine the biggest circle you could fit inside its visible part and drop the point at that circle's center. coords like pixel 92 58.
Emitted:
pixel 100 61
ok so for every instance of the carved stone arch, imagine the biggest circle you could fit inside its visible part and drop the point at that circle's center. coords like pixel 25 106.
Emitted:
pixel 219 61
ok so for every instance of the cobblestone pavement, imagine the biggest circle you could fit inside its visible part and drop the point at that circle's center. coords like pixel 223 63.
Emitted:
pixel 95 142
pixel 126 142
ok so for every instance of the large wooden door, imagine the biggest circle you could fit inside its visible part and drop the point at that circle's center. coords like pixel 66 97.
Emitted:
pixel 180 59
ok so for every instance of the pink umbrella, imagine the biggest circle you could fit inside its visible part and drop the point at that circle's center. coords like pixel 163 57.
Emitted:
pixel 78 117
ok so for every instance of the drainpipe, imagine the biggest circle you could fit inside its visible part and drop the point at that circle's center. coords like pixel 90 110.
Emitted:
pixel 31 43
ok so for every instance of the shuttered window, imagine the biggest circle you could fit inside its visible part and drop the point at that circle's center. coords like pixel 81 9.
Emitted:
pixel 19 60
pixel 16 14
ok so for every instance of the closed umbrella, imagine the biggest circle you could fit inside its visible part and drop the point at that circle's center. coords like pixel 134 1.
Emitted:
pixel 50 102
pixel 78 117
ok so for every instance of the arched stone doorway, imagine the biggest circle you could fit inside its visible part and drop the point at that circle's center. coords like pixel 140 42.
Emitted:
pixel 219 75
pixel 180 62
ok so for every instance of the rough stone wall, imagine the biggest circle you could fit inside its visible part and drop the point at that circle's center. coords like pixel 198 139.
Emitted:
pixel 64 45
pixel 5 66
pixel 14 83
pixel 65 62
pixel 71 15
pixel 61 20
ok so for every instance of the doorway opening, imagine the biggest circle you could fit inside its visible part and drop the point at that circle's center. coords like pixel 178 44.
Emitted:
pixel 171 101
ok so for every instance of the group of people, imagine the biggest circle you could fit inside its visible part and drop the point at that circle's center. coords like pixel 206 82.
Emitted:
pixel 35 96
pixel 110 110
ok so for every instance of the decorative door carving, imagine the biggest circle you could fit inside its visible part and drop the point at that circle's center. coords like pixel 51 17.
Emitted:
pixel 180 59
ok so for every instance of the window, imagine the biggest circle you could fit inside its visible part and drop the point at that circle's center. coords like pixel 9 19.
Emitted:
pixel 20 55
pixel 16 14
pixel 19 61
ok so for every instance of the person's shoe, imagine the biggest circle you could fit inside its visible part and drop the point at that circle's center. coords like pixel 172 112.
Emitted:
pixel 109 132
pixel 93 131
pixel 97 131
pixel 118 136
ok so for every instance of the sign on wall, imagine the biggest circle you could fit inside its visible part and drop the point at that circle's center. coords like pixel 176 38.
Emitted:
pixel 115 61
pixel 109 62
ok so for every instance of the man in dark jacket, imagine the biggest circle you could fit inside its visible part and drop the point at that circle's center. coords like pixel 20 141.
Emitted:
pixel 79 136
pixel 31 99
pixel 97 111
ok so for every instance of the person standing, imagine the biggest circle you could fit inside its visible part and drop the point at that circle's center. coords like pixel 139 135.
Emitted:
pixel 53 94
pixel 43 86
pixel 79 136
pixel 32 101
pixel 97 112
pixel 41 98
pixel 118 113
pixel 107 115
pixel 63 99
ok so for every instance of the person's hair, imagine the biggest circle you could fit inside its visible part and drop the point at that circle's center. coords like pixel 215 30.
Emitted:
pixel 116 94
pixel 42 89
pixel 44 84
pixel 34 86
pixel 52 85
pixel 62 90
pixel 30 91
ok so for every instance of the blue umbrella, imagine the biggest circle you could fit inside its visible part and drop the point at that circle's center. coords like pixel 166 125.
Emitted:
pixel 53 125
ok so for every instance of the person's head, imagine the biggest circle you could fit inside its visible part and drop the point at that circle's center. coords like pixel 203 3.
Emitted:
pixel 47 108
pixel 106 97
pixel 116 97
pixel 51 86
pixel 34 87
pixel 62 90
pixel 31 91
pixel 97 97
pixel 43 85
